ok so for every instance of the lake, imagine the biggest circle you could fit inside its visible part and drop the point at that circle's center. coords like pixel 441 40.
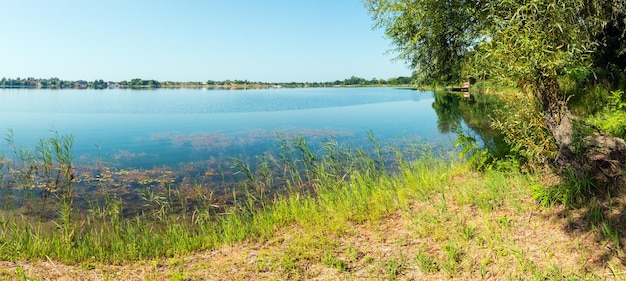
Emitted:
pixel 169 127
pixel 139 145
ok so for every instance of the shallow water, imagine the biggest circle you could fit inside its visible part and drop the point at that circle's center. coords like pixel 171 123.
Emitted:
pixel 144 146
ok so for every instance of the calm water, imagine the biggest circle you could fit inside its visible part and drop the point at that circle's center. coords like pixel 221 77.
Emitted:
pixel 148 128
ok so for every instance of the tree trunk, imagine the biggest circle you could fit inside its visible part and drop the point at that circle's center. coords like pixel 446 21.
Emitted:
pixel 598 156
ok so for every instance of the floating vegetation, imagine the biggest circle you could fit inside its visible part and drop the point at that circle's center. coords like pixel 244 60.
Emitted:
pixel 218 140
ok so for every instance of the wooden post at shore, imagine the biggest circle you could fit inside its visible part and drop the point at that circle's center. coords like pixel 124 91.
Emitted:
pixel 464 89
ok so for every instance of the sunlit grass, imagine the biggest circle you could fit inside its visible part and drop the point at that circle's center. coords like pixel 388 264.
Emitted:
pixel 458 222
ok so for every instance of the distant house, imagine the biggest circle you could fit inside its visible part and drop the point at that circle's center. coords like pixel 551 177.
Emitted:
pixel 80 84
pixel 113 85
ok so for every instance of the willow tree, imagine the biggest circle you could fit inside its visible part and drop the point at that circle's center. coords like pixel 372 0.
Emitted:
pixel 527 42
pixel 423 36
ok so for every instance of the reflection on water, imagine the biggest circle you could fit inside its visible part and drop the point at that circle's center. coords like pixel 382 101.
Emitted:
pixel 455 113
pixel 449 115
pixel 143 129
pixel 133 143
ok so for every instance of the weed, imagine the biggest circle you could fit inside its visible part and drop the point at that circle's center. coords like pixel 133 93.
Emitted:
pixel 288 262
pixel 330 260
pixel 467 232
pixel 571 192
pixel 483 267
pixel 505 222
pixel 427 263
pixel 611 233
pixel 21 275
pixel 453 258
pixel 393 268
pixel 88 265
pixel 179 266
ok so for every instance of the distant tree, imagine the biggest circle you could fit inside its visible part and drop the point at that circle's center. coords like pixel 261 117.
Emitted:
pixel 97 84
pixel 354 81
pixel 135 83
pixel 403 80
pixel 53 82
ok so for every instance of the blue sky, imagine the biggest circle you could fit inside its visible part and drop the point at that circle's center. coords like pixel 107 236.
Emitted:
pixel 199 40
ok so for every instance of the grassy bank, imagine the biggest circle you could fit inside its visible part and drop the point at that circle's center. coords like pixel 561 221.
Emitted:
pixel 432 219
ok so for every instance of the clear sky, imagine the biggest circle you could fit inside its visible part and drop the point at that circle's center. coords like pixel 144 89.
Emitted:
pixel 194 40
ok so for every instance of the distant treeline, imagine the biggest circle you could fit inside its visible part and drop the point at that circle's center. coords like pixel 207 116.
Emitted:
pixel 56 83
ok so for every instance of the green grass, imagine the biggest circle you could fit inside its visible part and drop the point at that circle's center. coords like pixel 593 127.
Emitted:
pixel 462 222
pixel 336 188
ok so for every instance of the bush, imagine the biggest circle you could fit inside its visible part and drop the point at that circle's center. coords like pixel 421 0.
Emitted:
pixel 523 128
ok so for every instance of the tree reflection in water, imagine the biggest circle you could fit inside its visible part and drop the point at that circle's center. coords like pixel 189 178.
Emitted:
pixel 476 113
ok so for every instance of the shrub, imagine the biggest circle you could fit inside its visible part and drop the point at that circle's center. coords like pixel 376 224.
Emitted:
pixel 523 128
